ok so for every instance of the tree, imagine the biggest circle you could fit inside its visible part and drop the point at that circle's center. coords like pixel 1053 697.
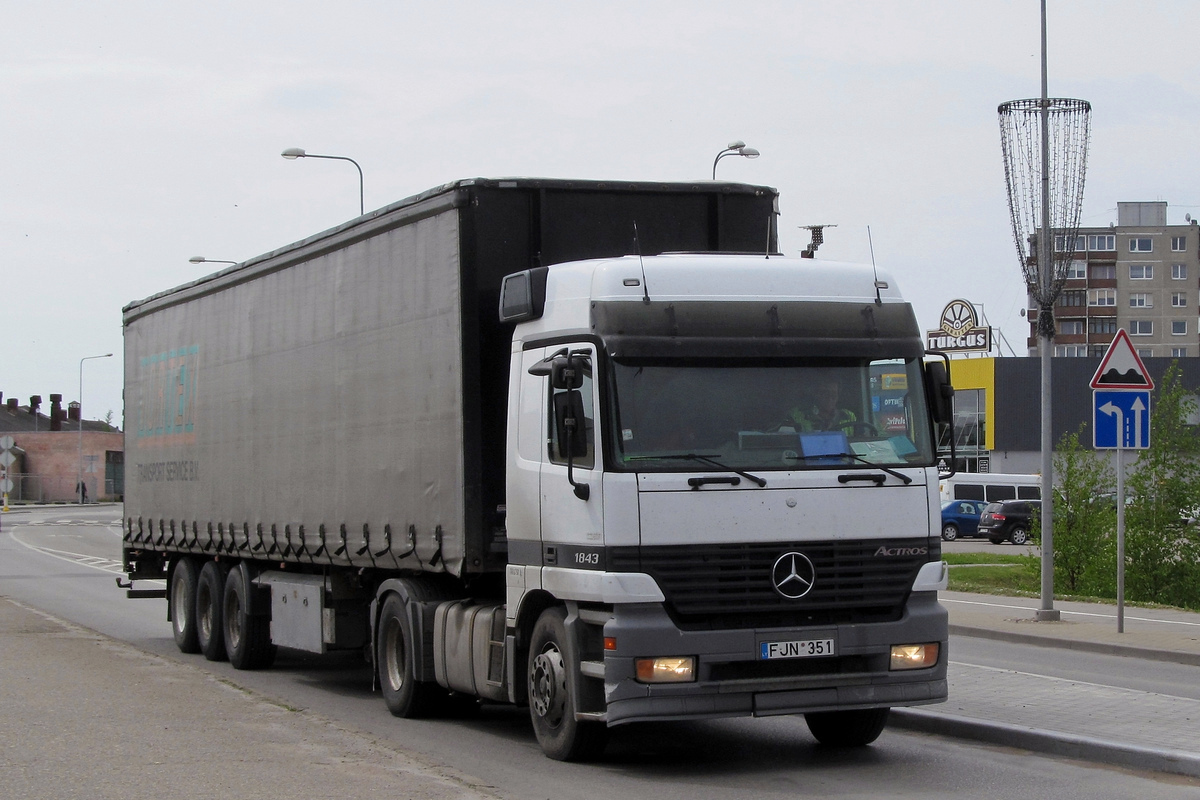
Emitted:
pixel 1084 520
pixel 1161 539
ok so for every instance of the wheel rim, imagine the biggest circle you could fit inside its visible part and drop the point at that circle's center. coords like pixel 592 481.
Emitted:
pixel 1019 536
pixel 949 533
pixel 393 657
pixel 233 620
pixel 548 685
pixel 179 605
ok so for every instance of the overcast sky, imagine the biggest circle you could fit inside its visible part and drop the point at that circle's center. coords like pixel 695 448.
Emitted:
pixel 138 134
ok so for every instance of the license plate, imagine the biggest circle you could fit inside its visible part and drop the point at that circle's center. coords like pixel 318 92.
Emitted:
pixel 805 648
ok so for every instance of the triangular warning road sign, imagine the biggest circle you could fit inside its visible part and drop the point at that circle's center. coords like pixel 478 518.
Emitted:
pixel 1121 368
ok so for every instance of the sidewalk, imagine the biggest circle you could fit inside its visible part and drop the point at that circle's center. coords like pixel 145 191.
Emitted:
pixel 1065 717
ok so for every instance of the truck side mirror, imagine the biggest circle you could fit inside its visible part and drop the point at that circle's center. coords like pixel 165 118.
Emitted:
pixel 941 392
pixel 572 435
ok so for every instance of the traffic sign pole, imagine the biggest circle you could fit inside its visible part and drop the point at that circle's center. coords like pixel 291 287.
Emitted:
pixel 1120 540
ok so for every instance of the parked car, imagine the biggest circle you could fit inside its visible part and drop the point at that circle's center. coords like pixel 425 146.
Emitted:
pixel 961 518
pixel 1008 521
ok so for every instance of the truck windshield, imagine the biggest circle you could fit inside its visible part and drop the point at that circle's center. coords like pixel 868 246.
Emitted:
pixel 770 415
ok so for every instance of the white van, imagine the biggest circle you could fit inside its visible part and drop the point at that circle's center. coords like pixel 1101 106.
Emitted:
pixel 991 487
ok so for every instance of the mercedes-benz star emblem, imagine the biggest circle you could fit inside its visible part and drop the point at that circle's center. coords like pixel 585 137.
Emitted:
pixel 793 575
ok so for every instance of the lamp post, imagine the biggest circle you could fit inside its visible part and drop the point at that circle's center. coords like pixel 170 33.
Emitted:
pixel 737 148
pixel 203 260
pixel 292 153
pixel 79 488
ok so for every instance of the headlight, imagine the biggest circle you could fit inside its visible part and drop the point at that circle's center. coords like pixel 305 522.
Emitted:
pixel 914 656
pixel 666 669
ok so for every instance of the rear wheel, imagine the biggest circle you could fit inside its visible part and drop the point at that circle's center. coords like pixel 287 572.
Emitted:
pixel 551 702
pixel 847 728
pixel 1019 536
pixel 210 591
pixel 404 694
pixel 183 606
pixel 247 637
pixel 949 532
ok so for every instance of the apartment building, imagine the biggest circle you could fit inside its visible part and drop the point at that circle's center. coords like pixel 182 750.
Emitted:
pixel 1140 274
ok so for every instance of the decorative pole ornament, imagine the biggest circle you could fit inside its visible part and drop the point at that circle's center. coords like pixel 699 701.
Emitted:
pixel 1064 132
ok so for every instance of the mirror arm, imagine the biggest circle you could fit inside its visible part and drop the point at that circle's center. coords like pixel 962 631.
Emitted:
pixel 582 490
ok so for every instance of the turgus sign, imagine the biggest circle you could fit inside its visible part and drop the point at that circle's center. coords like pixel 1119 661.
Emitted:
pixel 960 330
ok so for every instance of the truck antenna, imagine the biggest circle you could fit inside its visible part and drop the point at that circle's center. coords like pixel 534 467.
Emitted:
pixel 637 242
pixel 878 283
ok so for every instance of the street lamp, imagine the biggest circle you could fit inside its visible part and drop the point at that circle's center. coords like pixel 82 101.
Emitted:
pixel 737 148
pixel 79 488
pixel 292 153
pixel 203 260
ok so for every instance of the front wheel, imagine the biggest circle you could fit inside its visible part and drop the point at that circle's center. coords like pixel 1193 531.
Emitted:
pixel 1019 536
pixel 847 728
pixel 949 532
pixel 551 700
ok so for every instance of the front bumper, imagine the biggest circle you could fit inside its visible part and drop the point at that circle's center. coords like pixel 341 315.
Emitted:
pixel 732 681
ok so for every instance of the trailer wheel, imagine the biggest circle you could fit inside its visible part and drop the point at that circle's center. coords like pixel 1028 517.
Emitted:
pixel 847 728
pixel 405 695
pixel 210 590
pixel 551 704
pixel 183 606
pixel 247 637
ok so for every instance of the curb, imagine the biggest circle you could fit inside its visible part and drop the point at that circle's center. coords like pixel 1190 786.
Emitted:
pixel 1047 742
pixel 1103 648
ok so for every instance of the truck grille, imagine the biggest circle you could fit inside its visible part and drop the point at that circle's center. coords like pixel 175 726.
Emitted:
pixel 724 586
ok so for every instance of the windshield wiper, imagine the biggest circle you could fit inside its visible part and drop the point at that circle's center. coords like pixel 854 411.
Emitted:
pixel 907 480
pixel 704 459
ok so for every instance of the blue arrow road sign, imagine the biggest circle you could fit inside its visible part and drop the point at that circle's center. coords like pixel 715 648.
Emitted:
pixel 1121 419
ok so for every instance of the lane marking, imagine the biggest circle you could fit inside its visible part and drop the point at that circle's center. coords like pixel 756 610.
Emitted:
pixel 1076 613
pixel 79 559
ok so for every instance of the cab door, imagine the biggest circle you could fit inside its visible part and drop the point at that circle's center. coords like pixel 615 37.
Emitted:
pixel 571 481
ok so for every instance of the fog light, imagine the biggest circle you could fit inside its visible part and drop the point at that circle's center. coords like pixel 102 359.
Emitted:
pixel 667 669
pixel 914 656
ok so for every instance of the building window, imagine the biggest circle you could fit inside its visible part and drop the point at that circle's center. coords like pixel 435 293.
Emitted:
pixel 1097 350
pixel 1141 272
pixel 1141 300
pixel 1060 243
pixel 1071 327
pixel 1141 327
pixel 1068 351
pixel 1077 270
pixel 1102 271
pixel 1179 272
pixel 1179 299
pixel 1178 244
pixel 1102 242
pixel 1179 327
pixel 1178 352
pixel 1141 245
pixel 1102 325
pixel 1145 352
pixel 1076 299
pixel 1102 297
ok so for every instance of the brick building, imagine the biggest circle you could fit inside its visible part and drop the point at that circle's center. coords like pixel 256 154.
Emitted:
pixel 48 461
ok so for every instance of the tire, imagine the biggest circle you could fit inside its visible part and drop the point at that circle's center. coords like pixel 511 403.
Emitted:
pixel 994 540
pixel 551 700
pixel 394 653
pixel 1019 536
pixel 949 532
pixel 247 637
pixel 210 592
pixel 847 728
pixel 183 605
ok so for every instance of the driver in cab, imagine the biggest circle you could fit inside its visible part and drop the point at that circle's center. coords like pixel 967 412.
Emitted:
pixel 824 412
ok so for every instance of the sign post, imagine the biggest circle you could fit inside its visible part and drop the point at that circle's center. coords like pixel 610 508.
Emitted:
pixel 6 460
pixel 1121 421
